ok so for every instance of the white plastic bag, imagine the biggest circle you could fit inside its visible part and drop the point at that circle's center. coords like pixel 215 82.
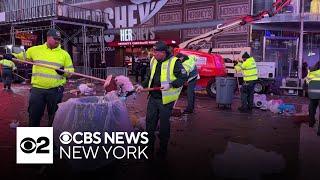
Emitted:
pixel 91 114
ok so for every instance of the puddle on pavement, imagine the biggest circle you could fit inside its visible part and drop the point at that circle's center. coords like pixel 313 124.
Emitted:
pixel 246 162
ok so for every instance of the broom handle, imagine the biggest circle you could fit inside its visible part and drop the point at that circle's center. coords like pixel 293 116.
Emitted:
pixel 49 67
pixel 20 76
pixel 151 89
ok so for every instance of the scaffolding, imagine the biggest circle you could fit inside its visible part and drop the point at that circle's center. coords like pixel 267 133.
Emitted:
pixel 78 27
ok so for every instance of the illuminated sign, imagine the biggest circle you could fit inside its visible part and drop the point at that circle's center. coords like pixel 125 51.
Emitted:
pixel 137 34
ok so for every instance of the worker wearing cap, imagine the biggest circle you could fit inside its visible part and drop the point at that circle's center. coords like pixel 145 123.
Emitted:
pixel 168 73
pixel 189 64
pixel 7 67
pixel 47 84
pixel 313 80
pixel 250 75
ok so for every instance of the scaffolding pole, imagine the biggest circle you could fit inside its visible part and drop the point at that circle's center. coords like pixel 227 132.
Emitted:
pixel 301 40
pixel 101 39
pixel 85 51
pixel 13 36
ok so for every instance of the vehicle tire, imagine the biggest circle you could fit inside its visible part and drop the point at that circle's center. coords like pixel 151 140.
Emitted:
pixel 259 87
pixel 211 88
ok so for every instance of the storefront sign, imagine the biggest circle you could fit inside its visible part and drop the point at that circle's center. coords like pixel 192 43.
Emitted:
pixel 199 14
pixel 137 34
pixel 170 17
pixel 233 10
pixel 26 43
pixel 26 36
pixel 139 12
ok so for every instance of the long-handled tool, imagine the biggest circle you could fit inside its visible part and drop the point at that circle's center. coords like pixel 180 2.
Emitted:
pixel 50 67
pixel 24 79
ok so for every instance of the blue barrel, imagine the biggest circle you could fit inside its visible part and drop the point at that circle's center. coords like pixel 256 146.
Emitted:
pixel 225 90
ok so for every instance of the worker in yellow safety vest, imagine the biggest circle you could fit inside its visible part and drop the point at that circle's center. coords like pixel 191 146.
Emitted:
pixel 249 71
pixel 168 73
pixel 189 63
pixel 47 84
pixel 7 67
pixel 313 81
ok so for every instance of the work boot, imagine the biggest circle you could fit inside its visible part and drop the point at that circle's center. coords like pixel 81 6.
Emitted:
pixel 312 122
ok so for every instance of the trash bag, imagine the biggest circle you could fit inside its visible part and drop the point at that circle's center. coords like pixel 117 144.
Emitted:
pixel 91 114
pixel 287 109
pixel 274 104
pixel 260 100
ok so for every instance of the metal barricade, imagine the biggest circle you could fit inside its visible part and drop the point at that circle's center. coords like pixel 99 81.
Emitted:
pixel 104 72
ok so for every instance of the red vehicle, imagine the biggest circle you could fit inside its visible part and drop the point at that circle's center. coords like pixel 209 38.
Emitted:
pixel 212 65
pixel 209 66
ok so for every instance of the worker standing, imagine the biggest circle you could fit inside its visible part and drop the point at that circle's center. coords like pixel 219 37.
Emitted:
pixel 47 84
pixel 189 64
pixel 7 67
pixel 313 80
pixel 250 75
pixel 168 73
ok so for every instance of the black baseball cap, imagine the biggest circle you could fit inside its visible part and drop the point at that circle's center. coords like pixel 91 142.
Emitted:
pixel 54 33
pixel 160 46
pixel 246 55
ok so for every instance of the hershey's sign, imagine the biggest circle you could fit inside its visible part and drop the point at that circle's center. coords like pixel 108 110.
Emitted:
pixel 232 10
pixel 137 34
pixel 170 17
pixel 130 15
pixel 199 14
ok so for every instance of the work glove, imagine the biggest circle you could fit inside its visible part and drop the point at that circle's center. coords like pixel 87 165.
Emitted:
pixel 8 57
pixel 165 87
pixel 60 72
pixel 138 88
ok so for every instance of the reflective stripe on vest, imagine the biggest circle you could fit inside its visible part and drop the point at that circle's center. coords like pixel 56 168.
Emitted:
pixel 314 91
pixel 167 76
pixel 48 63
pixel 189 64
pixel 47 75
pixel 250 72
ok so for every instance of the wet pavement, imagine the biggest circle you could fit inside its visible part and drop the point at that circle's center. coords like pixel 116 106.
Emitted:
pixel 210 144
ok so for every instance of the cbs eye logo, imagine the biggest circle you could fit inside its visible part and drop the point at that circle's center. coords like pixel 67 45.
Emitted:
pixel 29 145
pixel 65 137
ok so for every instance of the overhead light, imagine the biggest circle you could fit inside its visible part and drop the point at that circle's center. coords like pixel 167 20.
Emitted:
pixel 173 42
pixel 311 54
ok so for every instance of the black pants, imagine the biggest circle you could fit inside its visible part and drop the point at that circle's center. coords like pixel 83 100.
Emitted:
pixel 247 92
pixel 7 77
pixel 313 105
pixel 155 111
pixel 39 100
pixel 191 94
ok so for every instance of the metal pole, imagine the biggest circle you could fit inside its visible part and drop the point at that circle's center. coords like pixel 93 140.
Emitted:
pixel 13 39
pixel 301 39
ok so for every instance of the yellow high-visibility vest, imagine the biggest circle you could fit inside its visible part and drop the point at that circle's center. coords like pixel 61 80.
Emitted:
pixel 8 63
pixel 315 6
pixel 189 64
pixel 167 76
pixel 249 69
pixel 42 77
pixel 313 76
